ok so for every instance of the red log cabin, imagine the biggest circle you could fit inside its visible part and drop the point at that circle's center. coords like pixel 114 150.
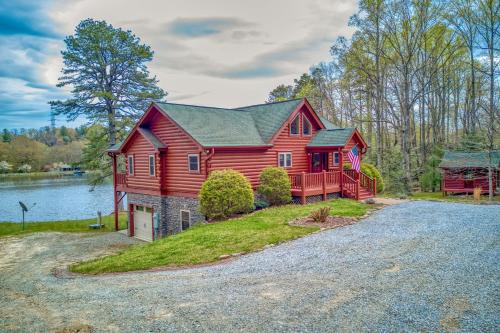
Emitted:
pixel 462 172
pixel 173 148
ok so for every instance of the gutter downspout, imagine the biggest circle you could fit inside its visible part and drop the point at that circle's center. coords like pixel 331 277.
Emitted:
pixel 210 153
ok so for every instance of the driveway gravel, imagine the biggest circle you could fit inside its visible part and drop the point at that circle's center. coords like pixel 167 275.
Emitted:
pixel 417 266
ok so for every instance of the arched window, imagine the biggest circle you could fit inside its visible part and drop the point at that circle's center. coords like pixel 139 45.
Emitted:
pixel 306 126
pixel 295 126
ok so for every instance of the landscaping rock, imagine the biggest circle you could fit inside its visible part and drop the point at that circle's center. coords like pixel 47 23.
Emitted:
pixel 225 256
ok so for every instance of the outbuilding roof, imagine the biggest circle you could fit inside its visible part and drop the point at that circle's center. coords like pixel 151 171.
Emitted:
pixel 455 159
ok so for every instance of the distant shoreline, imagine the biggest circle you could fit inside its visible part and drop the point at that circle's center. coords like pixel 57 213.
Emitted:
pixel 38 175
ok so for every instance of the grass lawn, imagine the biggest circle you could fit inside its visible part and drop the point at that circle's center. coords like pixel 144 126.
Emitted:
pixel 439 197
pixel 9 228
pixel 205 243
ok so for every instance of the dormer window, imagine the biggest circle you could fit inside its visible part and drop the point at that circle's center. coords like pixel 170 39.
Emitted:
pixel 295 126
pixel 306 126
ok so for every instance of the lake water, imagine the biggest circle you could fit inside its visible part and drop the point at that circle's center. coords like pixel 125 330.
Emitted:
pixel 56 199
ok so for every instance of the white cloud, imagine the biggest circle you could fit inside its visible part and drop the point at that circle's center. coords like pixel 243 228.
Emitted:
pixel 221 52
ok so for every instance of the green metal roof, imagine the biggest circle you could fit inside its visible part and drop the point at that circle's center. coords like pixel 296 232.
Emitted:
pixel 328 125
pixel 116 147
pixel 332 137
pixel 253 125
pixel 454 159
pixel 212 127
pixel 148 135
pixel 269 117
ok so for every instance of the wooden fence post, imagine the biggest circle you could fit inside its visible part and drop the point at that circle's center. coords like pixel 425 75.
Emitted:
pixel 303 187
pixel 324 185
pixel 374 186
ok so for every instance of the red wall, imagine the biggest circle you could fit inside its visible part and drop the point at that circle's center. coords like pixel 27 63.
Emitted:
pixel 455 181
pixel 178 178
pixel 141 149
pixel 179 181
pixel 251 163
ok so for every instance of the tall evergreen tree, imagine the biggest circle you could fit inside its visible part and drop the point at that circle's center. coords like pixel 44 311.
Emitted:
pixel 111 85
pixel 106 67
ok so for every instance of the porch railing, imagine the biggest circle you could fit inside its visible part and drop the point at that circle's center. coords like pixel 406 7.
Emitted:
pixel 348 182
pixel 368 183
pixel 121 179
pixel 350 185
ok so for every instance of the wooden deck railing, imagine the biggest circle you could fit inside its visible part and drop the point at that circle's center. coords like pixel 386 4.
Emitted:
pixel 121 179
pixel 368 183
pixel 347 182
pixel 350 185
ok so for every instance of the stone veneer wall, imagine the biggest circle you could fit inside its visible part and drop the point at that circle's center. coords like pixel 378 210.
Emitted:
pixel 169 208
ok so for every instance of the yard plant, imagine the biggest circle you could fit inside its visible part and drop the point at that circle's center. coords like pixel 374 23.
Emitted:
pixel 320 214
pixel 275 186
pixel 225 193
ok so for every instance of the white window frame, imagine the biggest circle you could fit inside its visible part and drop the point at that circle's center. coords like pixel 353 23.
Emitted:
pixel 154 165
pixel 285 154
pixel 304 120
pixel 189 217
pixel 336 153
pixel 131 165
pixel 189 163
pixel 298 127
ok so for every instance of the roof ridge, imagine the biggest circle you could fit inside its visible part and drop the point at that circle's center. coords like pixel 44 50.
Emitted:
pixel 197 106
pixel 249 106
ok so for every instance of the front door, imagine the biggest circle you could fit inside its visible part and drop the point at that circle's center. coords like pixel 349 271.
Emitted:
pixel 319 162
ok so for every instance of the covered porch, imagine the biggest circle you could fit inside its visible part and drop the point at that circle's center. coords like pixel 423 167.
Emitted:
pixel 326 176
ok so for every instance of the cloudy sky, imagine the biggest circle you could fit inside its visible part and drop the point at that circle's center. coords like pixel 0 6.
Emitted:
pixel 223 53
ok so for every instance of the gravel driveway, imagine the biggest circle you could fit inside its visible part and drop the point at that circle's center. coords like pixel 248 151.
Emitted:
pixel 418 266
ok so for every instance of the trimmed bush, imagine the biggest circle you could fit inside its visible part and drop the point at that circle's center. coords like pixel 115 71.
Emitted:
pixel 224 193
pixel 275 186
pixel 260 204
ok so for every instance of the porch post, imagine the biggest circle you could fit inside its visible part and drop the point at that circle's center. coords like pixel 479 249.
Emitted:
pixel 303 188
pixel 357 189
pixel 115 193
pixel 324 185
pixel 341 166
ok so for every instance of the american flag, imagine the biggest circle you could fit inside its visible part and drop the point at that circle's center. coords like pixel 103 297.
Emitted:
pixel 353 156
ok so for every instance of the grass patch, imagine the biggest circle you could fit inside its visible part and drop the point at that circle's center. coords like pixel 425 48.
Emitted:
pixel 9 228
pixel 438 196
pixel 205 243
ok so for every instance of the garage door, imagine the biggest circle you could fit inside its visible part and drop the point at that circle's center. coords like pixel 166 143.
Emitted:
pixel 143 223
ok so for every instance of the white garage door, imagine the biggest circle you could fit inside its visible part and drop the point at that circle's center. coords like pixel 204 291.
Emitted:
pixel 143 223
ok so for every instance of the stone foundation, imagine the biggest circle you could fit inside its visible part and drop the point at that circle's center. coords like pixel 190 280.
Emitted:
pixel 169 210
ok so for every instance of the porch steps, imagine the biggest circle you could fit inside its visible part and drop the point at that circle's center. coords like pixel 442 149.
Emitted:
pixel 364 193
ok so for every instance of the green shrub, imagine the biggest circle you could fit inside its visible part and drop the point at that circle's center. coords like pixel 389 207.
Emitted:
pixel 275 186
pixel 224 193
pixel 260 204
pixel 320 215
pixel 372 171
